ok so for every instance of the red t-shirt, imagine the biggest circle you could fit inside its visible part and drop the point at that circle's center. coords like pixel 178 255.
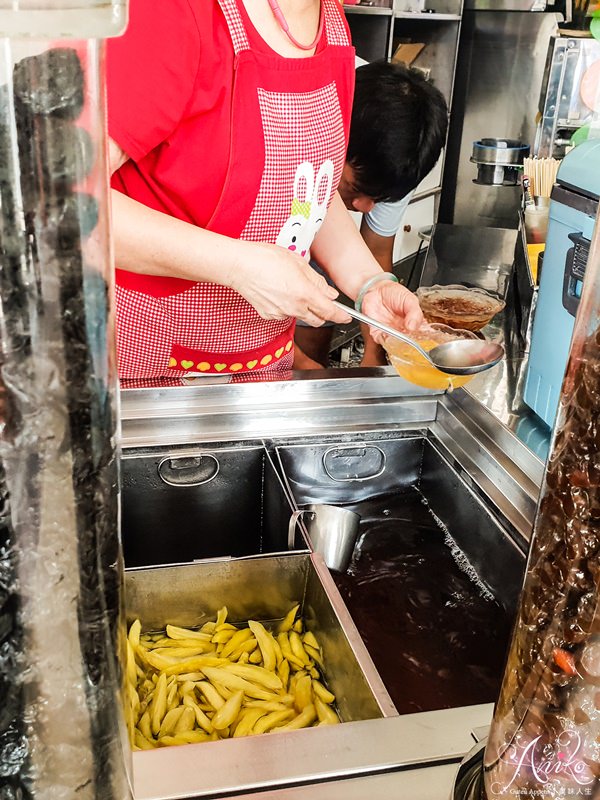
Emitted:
pixel 169 82
pixel 169 88
pixel 174 87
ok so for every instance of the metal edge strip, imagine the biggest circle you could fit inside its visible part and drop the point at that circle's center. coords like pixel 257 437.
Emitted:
pixel 508 487
pixel 302 757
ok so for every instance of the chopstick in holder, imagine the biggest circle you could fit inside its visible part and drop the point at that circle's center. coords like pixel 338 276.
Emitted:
pixel 541 173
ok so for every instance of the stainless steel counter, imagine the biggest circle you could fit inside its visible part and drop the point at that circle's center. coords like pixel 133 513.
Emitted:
pixel 493 441
pixel 413 755
pixel 501 392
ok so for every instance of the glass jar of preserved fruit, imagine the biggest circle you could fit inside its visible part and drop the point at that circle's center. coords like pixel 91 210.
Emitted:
pixel 545 736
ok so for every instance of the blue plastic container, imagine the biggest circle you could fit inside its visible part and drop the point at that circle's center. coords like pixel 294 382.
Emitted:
pixel 573 209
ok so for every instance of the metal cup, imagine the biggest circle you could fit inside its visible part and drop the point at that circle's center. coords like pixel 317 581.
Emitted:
pixel 332 532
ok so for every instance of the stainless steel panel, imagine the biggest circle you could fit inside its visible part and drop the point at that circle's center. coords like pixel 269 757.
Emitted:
pixel 354 683
pixel 277 761
pixel 342 401
pixel 190 594
pixel 207 502
pixel 511 490
pixel 496 557
pixel 498 80
pixel 308 467
pixel 440 33
pixel 425 783
pixel 461 254
pixel 493 428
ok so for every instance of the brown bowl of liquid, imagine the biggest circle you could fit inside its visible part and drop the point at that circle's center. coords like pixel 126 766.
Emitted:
pixel 413 367
pixel 458 306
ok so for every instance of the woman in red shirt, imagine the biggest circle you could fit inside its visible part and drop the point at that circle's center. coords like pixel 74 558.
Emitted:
pixel 228 123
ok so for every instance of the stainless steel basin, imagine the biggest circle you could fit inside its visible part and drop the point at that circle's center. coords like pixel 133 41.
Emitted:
pixel 353 470
pixel 342 442
pixel 435 576
pixel 186 503
pixel 265 589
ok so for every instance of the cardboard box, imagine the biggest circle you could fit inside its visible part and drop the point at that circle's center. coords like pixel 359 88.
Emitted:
pixel 407 52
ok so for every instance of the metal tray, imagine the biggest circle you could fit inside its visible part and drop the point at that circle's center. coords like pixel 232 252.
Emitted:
pixel 265 589
pixel 254 588
pixel 435 576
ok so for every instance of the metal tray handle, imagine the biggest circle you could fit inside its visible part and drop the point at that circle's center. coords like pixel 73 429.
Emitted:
pixel 188 470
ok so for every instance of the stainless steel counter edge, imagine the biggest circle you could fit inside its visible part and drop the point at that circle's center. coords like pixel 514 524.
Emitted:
pixel 424 783
pixel 501 465
pixel 492 457
pixel 283 760
pixel 339 401
pixel 484 420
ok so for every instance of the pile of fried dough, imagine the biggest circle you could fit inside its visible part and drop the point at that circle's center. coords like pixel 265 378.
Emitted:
pixel 223 681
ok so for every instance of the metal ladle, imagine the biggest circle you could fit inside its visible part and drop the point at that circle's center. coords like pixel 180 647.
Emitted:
pixel 458 357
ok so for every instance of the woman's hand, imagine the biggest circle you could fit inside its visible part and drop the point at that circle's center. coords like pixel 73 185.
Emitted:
pixel 277 282
pixel 280 284
pixel 393 304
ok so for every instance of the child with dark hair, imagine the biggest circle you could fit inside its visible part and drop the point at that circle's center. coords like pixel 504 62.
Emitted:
pixel 397 132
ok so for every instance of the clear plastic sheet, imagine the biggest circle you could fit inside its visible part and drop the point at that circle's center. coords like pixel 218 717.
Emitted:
pixel 545 737
pixel 61 731
pixel 75 19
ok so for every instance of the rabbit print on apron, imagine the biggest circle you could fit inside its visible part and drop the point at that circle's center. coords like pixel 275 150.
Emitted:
pixel 309 206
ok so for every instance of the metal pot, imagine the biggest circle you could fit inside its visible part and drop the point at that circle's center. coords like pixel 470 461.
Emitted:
pixel 498 160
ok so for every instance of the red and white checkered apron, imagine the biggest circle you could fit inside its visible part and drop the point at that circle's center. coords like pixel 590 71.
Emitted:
pixel 290 120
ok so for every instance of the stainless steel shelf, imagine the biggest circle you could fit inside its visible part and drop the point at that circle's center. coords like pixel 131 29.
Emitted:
pixel 424 17
pixel 372 10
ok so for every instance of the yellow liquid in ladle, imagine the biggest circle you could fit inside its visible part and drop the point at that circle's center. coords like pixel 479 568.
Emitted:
pixel 413 367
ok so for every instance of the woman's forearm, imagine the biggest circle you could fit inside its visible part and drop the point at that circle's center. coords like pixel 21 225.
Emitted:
pixel 276 282
pixel 341 251
pixel 153 243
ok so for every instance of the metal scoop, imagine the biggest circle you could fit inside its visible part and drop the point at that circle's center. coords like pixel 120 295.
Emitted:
pixel 458 357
